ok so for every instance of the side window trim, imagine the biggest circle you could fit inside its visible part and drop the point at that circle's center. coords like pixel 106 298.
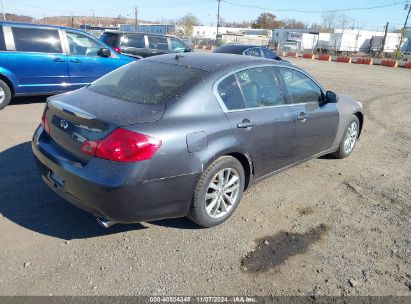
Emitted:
pixel 64 42
pixel 8 38
pixel 146 44
pixel 277 80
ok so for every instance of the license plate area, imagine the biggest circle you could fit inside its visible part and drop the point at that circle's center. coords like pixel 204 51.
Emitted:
pixel 56 179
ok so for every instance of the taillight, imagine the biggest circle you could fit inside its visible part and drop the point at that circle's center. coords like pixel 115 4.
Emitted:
pixel 44 123
pixel 123 146
pixel 118 50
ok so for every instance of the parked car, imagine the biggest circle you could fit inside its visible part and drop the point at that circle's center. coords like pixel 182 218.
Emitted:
pixel 176 135
pixel 143 44
pixel 250 50
pixel 41 59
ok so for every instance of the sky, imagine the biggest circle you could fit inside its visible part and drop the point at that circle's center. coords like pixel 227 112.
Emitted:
pixel 231 10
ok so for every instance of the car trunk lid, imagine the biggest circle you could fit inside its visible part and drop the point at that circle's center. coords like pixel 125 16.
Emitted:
pixel 84 115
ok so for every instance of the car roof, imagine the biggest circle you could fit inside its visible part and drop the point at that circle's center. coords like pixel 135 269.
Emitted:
pixel 235 48
pixel 210 62
pixel 37 25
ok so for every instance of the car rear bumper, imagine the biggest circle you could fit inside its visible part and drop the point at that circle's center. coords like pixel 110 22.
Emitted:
pixel 109 189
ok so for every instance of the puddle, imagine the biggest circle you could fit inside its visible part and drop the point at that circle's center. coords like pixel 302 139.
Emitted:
pixel 305 211
pixel 279 248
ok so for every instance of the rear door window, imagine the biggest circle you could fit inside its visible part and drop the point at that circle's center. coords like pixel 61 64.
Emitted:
pixel 157 43
pixel 135 41
pixel 230 93
pixel 36 40
pixel 252 88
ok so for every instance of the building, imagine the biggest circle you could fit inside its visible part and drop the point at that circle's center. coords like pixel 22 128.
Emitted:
pixel 341 40
pixel 210 32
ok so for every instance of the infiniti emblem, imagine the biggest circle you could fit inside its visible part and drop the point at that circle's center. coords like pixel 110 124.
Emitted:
pixel 63 124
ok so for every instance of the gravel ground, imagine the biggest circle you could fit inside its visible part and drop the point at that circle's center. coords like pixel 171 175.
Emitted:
pixel 326 227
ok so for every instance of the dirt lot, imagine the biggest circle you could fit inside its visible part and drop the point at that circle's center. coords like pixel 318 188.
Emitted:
pixel 327 227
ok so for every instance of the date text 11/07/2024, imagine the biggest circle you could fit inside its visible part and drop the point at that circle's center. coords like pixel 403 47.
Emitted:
pixel 199 299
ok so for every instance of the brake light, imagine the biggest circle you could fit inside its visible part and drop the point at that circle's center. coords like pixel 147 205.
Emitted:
pixel 118 50
pixel 44 123
pixel 123 146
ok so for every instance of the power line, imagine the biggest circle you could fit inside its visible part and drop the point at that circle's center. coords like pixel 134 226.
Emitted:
pixel 319 11
pixel 108 10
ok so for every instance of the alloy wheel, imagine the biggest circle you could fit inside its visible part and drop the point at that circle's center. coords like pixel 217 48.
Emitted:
pixel 2 95
pixel 222 193
pixel 351 137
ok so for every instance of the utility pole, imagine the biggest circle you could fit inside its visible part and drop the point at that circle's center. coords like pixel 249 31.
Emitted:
pixel 72 20
pixel 2 10
pixel 405 25
pixel 218 20
pixel 136 18
pixel 94 17
pixel 384 39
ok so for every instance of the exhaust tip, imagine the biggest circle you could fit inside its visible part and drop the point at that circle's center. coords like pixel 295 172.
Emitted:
pixel 105 223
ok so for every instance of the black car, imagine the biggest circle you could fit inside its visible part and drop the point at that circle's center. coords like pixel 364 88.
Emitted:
pixel 143 44
pixel 177 135
pixel 249 50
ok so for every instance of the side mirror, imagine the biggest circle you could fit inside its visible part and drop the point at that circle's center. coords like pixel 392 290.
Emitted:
pixel 187 50
pixel 331 97
pixel 104 52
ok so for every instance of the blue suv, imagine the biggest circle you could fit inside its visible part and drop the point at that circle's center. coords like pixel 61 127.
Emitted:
pixel 41 59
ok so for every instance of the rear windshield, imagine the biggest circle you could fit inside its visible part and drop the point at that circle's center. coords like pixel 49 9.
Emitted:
pixel 147 82
pixel 110 39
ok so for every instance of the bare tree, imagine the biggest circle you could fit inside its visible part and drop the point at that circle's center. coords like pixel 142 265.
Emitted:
pixel 293 24
pixel 267 21
pixel 121 19
pixel 187 22
pixel 343 21
pixel 329 20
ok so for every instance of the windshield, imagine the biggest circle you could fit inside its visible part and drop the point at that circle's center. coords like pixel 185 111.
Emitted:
pixel 147 82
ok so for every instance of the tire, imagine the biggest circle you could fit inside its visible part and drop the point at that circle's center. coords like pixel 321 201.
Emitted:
pixel 344 150
pixel 220 204
pixel 5 94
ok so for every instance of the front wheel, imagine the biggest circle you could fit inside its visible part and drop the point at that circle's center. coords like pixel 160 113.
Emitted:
pixel 349 139
pixel 218 192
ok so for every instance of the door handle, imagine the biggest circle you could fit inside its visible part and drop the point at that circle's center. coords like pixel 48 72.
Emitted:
pixel 303 117
pixel 246 124
pixel 75 60
pixel 57 59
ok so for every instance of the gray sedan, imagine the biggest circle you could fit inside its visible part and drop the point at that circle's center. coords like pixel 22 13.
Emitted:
pixel 171 136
